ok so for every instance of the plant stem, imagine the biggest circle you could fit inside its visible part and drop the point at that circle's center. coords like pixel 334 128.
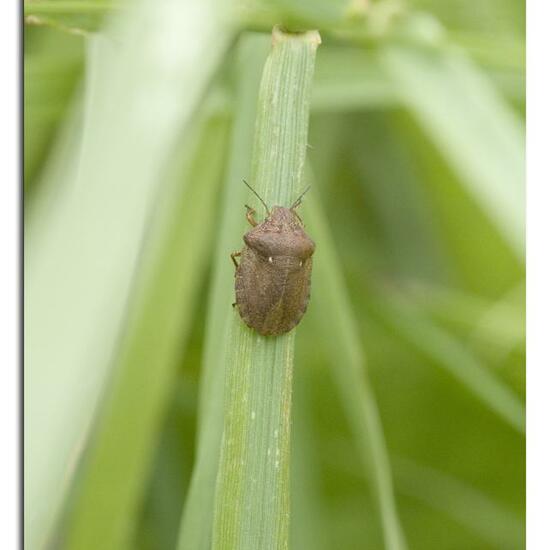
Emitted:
pixel 252 505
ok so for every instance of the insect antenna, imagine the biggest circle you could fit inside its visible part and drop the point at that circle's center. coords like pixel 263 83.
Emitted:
pixel 260 198
pixel 298 201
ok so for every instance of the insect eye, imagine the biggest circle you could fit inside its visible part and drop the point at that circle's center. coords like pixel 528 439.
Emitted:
pixel 270 260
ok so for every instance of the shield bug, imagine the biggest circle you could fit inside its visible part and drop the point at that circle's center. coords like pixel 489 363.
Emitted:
pixel 273 277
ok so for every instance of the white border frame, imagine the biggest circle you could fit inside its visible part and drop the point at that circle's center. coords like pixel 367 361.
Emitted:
pixel 538 275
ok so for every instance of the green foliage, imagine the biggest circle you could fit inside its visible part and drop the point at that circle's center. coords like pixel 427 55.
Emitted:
pixel 408 409
pixel 343 347
pixel 158 328
pixel 76 16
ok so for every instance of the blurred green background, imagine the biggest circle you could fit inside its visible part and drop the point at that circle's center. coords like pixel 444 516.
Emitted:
pixel 137 125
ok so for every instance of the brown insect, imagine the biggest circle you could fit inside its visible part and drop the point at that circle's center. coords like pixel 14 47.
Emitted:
pixel 273 277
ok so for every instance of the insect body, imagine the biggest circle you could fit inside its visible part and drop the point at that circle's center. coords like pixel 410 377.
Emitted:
pixel 273 277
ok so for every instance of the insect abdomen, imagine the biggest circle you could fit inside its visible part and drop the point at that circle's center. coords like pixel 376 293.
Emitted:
pixel 272 293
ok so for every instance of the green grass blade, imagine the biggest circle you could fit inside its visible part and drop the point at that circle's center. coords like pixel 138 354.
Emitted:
pixel 310 525
pixel 83 234
pixel 173 268
pixel 252 508
pixel 82 16
pixel 196 524
pixel 436 343
pixel 475 130
pixel 340 335
pixel 51 73
pixel 350 78
pixel 467 505
pixel 497 324
pixel 493 50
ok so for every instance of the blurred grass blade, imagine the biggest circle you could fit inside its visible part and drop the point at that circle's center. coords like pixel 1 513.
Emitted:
pixel 196 525
pixel 437 343
pixel 313 14
pixel 475 130
pixel 502 324
pixel 504 51
pixel 350 78
pixel 51 73
pixel 252 508
pixel 171 274
pixel 340 336
pixel 468 506
pixel 496 324
pixel 309 528
pixel 84 232
pixel 76 16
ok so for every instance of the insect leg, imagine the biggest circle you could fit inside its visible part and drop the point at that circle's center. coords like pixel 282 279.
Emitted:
pixel 250 212
pixel 233 256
